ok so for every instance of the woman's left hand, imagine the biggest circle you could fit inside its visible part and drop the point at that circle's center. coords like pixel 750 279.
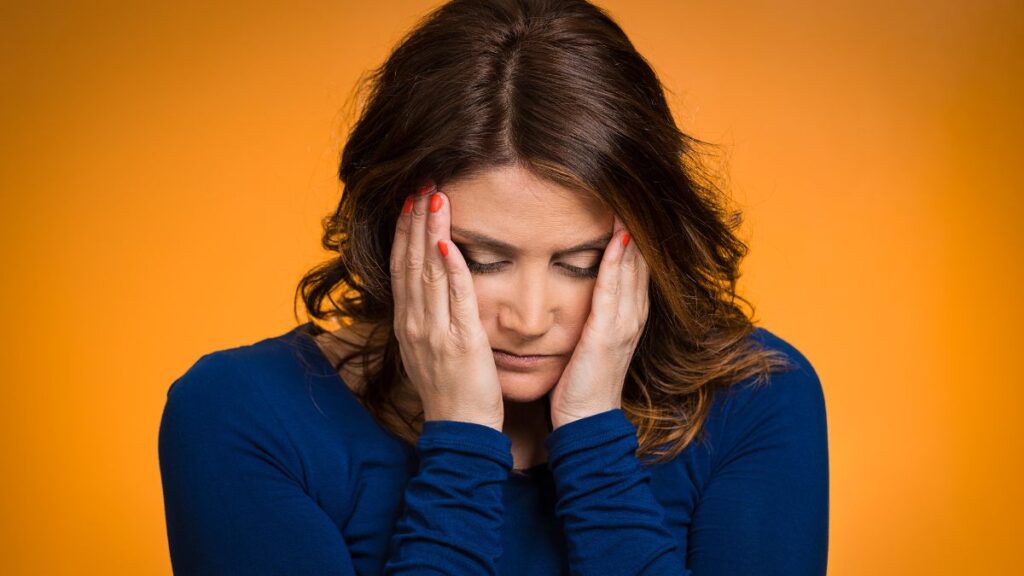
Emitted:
pixel 593 379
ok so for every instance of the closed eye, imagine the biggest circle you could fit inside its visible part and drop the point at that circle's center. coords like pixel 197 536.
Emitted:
pixel 490 267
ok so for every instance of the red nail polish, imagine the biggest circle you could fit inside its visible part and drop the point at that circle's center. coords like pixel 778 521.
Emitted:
pixel 426 189
pixel 442 247
pixel 436 202
pixel 625 239
pixel 407 207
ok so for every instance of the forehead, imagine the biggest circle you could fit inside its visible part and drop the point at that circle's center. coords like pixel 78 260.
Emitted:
pixel 512 203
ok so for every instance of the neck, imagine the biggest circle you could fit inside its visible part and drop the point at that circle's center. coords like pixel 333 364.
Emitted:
pixel 527 424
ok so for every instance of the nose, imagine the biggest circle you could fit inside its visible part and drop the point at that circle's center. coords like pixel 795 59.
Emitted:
pixel 528 312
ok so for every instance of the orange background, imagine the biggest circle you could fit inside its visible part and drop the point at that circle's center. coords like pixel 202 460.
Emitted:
pixel 164 170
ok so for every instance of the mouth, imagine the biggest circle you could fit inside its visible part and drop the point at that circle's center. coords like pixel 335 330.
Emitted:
pixel 510 361
pixel 507 353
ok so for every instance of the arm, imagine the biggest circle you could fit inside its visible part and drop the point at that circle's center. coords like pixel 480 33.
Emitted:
pixel 453 510
pixel 764 509
pixel 235 500
pixel 612 522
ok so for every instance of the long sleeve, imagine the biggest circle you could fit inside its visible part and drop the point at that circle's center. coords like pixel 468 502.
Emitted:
pixel 453 507
pixel 236 501
pixel 231 502
pixel 764 508
pixel 613 524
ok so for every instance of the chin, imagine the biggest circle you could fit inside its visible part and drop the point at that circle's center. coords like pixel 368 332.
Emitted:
pixel 526 386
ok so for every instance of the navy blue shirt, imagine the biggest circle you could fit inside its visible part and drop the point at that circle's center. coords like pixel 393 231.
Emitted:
pixel 270 465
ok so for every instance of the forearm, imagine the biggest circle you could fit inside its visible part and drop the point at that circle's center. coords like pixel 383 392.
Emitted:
pixel 613 523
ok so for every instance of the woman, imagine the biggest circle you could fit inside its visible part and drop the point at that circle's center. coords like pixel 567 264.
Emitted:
pixel 538 365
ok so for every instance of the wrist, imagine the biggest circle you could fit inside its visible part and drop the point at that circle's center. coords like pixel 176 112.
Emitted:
pixel 457 414
pixel 559 419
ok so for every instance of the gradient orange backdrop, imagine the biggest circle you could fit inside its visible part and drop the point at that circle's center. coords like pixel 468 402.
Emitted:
pixel 164 169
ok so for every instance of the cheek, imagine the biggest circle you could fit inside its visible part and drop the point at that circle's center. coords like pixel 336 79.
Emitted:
pixel 577 309
pixel 486 297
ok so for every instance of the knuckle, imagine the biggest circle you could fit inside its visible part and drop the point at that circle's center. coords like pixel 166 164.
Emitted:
pixel 433 275
pixel 434 226
pixel 459 294
pixel 465 334
pixel 397 268
pixel 458 334
pixel 462 331
pixel 412 330
pixel 436 340
pixel 460 347
pixel 419 207
pixel 636 328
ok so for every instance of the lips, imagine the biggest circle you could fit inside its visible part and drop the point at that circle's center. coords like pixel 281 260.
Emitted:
pixel 521 355
pixel 515 363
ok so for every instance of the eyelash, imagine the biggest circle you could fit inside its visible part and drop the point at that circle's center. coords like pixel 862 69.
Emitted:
pixel 479 268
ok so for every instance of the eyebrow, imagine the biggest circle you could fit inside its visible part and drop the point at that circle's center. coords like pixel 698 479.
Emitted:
pixel 505 248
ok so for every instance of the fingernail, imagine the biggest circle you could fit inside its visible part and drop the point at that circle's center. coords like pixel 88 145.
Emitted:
pixel 436 202
pixel 407 207
pixel 442 247
pixel 625 239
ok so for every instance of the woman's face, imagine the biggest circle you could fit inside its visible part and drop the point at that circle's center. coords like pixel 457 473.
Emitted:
pixel 533 248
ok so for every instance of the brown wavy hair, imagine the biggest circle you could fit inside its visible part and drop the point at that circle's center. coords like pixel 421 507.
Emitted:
pixel 554 86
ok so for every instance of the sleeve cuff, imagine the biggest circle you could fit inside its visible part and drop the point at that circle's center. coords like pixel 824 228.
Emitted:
pixel 468 438
pixel 594 430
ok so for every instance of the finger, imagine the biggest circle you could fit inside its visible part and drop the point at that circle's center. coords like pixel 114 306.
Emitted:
pixel 462 304
pixel 414 258
pixel 629 281
pixel 643 284
pixel 398 247
pixel 435 275
pixel 607 289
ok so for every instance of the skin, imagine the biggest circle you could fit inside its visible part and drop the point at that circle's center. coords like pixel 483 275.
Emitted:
pixel 448 318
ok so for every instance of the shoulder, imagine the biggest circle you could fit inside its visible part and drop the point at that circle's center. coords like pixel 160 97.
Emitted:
pixel 272 370
pixel 225 415
pixel 213 403
pixel 796 387
pixel 226 379
pixel 280 392
pixel 785 406
pixel 245 391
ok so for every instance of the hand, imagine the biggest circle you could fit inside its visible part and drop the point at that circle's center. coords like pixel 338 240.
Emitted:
pixel 443 345
pixel 593 379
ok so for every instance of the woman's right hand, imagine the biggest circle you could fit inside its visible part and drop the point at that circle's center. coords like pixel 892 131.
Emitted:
pixel 444 347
